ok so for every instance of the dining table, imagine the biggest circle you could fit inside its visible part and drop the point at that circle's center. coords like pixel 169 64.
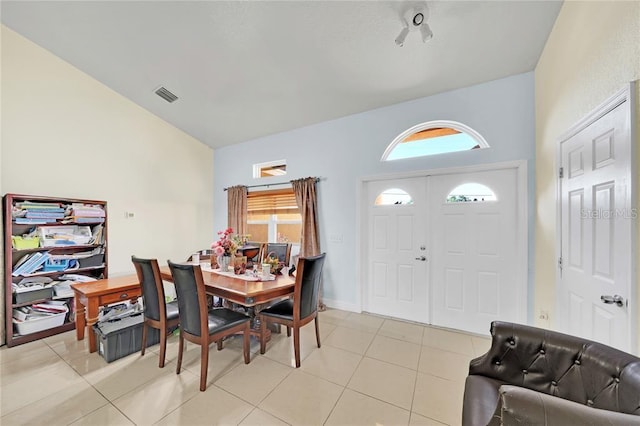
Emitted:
pixel 245 290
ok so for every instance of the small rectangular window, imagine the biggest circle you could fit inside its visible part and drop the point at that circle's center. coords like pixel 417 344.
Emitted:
pixel 270 169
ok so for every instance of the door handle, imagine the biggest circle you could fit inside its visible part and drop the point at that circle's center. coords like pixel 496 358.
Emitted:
pixel 422 258
pixel 617 299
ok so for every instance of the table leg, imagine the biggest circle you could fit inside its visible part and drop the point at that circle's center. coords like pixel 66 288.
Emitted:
pixel 81 321
pixel 92 318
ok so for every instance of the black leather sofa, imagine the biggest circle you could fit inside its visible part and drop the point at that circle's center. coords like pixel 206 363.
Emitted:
pixel 532 376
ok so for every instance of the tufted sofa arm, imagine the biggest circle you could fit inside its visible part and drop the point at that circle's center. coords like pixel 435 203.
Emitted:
pixel 562 366
pixel 521 406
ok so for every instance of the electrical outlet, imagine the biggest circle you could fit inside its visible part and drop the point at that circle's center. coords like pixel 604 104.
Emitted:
pixel 544 315
pixel 128 215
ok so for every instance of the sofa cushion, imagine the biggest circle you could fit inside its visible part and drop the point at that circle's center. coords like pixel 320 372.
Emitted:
pixel 522 406
pixel 480 400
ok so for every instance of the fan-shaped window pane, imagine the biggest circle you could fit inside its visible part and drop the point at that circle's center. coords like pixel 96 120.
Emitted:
pixel 432 138
pixel 393 196
pixel 470 192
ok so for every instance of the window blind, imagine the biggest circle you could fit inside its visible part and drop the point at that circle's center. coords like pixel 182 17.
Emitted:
pixel 278 201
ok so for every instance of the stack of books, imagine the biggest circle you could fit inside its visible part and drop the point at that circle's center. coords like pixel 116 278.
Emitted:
pixel 29 212
pixel 86 213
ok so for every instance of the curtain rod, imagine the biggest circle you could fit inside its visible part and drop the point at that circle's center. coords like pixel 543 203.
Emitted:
pixel 271 184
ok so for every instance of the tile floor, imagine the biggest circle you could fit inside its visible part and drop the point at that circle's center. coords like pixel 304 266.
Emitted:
pixel 369 371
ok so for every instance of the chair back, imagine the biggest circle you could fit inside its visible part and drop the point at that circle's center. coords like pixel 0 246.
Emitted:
pixel 192 303
pixel 281 250
pixel 307 286
pixel 152 289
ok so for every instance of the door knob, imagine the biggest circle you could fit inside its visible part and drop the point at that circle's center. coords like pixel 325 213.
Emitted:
pixel 422 258
pixel 617 299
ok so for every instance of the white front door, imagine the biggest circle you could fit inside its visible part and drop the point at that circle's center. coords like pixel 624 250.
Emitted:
pixel 596 229
pixel 459 265
pixel 397 279
pixel 476 276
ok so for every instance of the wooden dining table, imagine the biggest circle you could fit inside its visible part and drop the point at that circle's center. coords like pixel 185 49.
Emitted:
pixel 248 294
pixel 90 296
pixel 237 290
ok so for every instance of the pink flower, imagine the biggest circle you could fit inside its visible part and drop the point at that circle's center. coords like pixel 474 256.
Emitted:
pixel 218 250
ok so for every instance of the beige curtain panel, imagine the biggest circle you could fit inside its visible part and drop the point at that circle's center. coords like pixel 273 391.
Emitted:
pixel 306 198
pixel 237 209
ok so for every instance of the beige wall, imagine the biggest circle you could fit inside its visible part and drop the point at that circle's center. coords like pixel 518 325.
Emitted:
pixel 65 134
pixel 592 52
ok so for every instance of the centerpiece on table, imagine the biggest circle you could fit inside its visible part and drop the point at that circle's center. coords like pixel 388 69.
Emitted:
pixel 275 264
pixel 226 247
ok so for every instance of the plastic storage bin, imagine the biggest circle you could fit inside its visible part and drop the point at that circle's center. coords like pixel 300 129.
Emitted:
pixel 56 265
pixel 95 260
pixel 24 243
pixel 30 296
pixel 121 337
pixel 38 324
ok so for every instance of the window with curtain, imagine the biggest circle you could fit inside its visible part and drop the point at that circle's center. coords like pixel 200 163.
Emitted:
pixel 273 216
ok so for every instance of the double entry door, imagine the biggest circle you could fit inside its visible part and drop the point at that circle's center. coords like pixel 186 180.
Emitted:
pixel 438 256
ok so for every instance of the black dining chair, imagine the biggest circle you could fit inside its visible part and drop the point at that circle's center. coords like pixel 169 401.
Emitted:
pixel 280 250
pixel 299 311
pixel 157 313
pixel 200 325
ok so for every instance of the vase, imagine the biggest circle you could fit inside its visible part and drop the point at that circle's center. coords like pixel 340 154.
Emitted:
pixel 223 263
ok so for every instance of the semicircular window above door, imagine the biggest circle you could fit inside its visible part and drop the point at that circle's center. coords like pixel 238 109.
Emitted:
pixel 432 138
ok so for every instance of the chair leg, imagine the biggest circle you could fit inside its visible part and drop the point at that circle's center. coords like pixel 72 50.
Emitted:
pixel 163 346
pixel 246 336
pixel 144 338
pixel 296 345
pixel 288 331
pixel 317 331
pixel 180 348
pixel 263 334
pixel 219 343
pixel 204 364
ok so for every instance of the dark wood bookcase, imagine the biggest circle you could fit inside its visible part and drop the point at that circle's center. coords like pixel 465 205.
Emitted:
pixel 13 255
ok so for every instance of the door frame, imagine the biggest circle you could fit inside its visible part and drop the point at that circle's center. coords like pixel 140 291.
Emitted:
pixel 627 94
pixel 524 283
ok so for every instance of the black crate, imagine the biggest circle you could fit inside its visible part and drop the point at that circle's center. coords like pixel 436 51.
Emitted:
pixel 121 337
pixel 95 260
pixel 31 296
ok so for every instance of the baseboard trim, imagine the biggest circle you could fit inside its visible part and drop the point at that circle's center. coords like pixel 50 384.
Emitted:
pixel 343 306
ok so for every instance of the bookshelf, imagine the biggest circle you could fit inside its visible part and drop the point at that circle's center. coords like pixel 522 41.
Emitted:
pixel 45 240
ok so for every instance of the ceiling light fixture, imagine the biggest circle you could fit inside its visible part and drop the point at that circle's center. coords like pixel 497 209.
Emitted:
pixel 415 19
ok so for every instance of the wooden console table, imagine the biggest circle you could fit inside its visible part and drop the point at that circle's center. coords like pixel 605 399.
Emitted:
pixel 91 295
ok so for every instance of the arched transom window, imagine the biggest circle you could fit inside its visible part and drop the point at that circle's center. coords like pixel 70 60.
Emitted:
pixel 393 196
pixel 432 138
pixel 471 192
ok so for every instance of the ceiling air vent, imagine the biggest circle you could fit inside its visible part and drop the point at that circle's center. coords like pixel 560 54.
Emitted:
pixel 165 94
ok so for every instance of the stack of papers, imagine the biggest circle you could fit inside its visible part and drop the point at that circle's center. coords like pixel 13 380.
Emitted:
pixel 30 263
pixel 32 284
pixel 29 212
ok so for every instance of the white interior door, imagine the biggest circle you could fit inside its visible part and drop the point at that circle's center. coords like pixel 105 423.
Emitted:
pixel 475 252
pixel 397 250
pixel 596 229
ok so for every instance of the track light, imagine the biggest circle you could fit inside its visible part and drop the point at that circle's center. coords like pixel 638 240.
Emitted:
pixel 402 36
pixel 415 19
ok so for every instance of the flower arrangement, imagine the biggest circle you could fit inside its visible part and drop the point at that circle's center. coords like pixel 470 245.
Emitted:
pixel 227 243
pixel 274 262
